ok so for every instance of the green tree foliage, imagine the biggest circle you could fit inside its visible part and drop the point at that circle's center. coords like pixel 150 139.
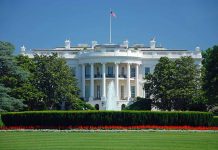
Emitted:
pixel 8 103
pixel 175 85
pixel 54 78
pixel 164 83
pixel 11 76
pixel 210 77
pixel 140 104
pixel 28 91
pixel 160 84
pixel 186 84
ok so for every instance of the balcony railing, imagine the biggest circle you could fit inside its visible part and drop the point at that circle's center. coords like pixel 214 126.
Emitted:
pixel 122 76
pixel 98 75
pixel 132 75
pixel 110 75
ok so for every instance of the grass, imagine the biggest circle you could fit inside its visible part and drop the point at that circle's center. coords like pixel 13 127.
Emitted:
pixel 108 140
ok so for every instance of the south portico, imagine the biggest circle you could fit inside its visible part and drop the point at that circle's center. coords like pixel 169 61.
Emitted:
pixel 96 77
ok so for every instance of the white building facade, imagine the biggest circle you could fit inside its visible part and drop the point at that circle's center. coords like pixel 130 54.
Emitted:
pixel 98 65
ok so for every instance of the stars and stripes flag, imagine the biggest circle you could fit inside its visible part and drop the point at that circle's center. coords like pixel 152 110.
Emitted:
pixel 113 14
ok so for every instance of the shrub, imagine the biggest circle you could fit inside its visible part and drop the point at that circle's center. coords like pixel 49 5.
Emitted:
pixel 1 123
pixel 214 110
pixel 214 121
pixel 140 104
pixel 104 118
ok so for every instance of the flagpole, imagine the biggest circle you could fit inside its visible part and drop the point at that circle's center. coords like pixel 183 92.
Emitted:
pixel 110 26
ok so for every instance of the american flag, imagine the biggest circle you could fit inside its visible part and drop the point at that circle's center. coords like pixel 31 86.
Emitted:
pixel 113 14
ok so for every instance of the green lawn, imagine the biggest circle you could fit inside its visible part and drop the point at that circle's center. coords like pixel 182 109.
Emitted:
pixel 108 140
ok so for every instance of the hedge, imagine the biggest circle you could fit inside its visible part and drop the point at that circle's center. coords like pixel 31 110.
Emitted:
pixel 214 121
pixel 1 123
pixel 104 118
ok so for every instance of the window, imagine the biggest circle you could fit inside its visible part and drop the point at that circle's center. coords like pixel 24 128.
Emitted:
pixel 147 70
pixel 87 71
pixel 97 69
pixel 132 72
pixel 97 74
pixel 110 70
pixel 87 91
pixel 98 92
pixel 122 71
pixel 122 92
pixel 132 91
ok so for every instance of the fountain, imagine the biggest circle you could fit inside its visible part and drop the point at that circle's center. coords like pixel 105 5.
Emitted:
pixel 111 97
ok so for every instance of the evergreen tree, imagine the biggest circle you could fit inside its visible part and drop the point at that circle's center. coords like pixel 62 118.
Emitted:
pixel 10 77
pixel 210 76
pixel 8 103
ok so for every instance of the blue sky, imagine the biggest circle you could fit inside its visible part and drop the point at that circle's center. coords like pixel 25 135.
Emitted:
pixel 182 24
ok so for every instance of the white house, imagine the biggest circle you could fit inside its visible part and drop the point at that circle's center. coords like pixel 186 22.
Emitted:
pixel 98 65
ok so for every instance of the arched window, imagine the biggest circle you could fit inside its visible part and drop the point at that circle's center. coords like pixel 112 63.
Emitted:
pixel 123 106
pixel 96 106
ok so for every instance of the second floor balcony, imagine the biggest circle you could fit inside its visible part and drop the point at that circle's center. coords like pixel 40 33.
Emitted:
pixel 110 75
pixel 98 75
pixel 122 76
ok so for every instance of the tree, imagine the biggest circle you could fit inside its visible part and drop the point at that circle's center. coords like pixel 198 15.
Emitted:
pixel 210 76
pixel 186 83
pixel 8 103
pixel 161 83
pixel 10 77
pixel 174 84
pixel 27 90
pixel 54 78
pixel 11 74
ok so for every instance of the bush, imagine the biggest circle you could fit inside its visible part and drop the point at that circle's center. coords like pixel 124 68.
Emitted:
pixel 102 118
pixel 1 123
pixel 140 104
pixel 214 121
pixel 214 110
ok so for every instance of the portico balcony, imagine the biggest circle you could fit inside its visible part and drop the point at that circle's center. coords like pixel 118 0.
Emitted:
pixel 110 75
pixel 98 75
pixel 122 76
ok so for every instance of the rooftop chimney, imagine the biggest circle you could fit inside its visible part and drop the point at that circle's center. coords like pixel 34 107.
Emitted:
pixel 152 43
pixel 22 50
pixel 197 48
pixel 67 44
pixel 126 43
pixel 94 43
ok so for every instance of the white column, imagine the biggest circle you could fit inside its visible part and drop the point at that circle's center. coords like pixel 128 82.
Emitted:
pixel 103 82
pixel 117 79
pixel 83 81
pixel 92 82
pixel 128 81
pixel 137 80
